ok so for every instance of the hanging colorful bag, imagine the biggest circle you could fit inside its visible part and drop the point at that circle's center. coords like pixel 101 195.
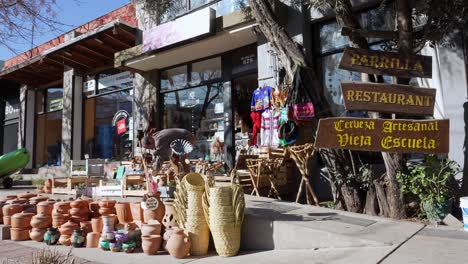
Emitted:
pixel 300 99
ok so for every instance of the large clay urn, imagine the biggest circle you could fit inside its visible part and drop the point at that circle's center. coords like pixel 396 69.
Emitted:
pixel 86 227
pixel 169 220
pixel 124 213
pixel 44 207
pixel 106 207
pixel 153 208
pixel 37 199
pixel 37 234
pixel 59 219
pixel 61 208
pixel 151 228
pixel 137 211
pixel 68 227
pixel 21 220
pixel 178 244
pixel 96 224
pixel 92 239
pixel 41 221
pixel 151 244
pixel 19 234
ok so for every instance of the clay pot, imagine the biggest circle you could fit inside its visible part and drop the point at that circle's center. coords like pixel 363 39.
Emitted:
pixel 155 213
pixel 19 234
pixel 104 244
pixel 37 234
pixel 9 197
pixel 124 213
pixel 17 201
pixel 169 220
pixel 96 224
pixel 167 234
pixel 78 219
pixel 77 239
pixel 41 221
pixel 68 227
pixel 129 247
pixel 94 209
pixel 152 228
pixel 37 199
pixel 107 203
pixel 61 208
pixel 21 220
pixel 108 223
pixel 86 227
pixel 121 237
pixel 59 219
pixel 11 209
pixel 92 239
pixel 137 211
pixel 52 236
pixel 106 211
pixel 79 204
pixel 44 208
pixel 6 220
pixel 178 244
pixel 151 244
pixel 65 240
pixel 26 195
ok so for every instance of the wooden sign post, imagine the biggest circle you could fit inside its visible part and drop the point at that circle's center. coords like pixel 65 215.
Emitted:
pixel 386 98
pixel 384 135
pixel 386 63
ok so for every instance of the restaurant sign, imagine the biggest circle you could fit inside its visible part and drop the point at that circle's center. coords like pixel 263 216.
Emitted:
pixel 386 63
pixel 384 135
pixel 386 98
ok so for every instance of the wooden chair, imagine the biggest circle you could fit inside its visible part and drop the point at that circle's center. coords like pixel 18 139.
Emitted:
pixel 302 155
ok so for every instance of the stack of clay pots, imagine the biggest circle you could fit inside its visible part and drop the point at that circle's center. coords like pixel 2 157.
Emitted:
pixel 60 213
pixel 37 199
pixel 79 211
pixel 107 207
pixel 20 226
pixel 10 209
pixel 40 223
pixel 66 231
pixel 151 237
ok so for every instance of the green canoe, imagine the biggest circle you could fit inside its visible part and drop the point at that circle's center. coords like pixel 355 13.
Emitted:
pixel 13 161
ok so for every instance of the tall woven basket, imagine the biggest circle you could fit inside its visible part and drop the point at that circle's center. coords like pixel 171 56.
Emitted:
pixel 196 225
pixel 224 207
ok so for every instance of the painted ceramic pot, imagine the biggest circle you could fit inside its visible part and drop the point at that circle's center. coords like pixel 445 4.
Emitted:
pixel 68 228
pixel 64 240
pixel 129 247
pixel 19 234
pixel 151 244
pixel 37 234
pixel 115 246
pixel 108 223
pixel 104 244
pixel 21 220
pixel 169 220
pixel 51 236
pixel 86 227
pixel 137 211
pixel 121 237
pixel 108 236
pixel 41 221
pixel 92 239
pixel 61 208
pixel 178 244
pixel 77 239
pixel 152 228
pixel 96 224
pixel 44 208
pixel 124 213
pixel 156 211
pixel 11 209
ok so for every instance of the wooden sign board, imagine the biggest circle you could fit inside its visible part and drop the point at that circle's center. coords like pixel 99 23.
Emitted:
pixel 386 98
pixel 386 63
pixel 384 135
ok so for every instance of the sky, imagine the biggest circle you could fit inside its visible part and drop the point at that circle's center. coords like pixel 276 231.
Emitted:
pixel 69 12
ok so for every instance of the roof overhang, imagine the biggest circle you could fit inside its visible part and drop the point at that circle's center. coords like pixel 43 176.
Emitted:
pixel 87 53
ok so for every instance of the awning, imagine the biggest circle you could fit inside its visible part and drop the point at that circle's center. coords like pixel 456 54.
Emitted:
pixel 89 52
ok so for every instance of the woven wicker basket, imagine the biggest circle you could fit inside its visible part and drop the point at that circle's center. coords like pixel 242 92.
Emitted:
pixel 194 182
pixel 226 239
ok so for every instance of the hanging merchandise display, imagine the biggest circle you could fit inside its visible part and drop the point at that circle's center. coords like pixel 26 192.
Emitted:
pixel 269 128
pixel 288 133
pixel 261 101
pixel 301 100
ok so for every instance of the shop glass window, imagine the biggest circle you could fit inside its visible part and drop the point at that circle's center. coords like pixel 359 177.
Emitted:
pixel 197 3
pixel 176 8
pixel 225 7
pixel 331 38
pixel 114 80
pixel 173 79
pixel 206 70
pixel 49 139
pixel 199 110
pixel 54 99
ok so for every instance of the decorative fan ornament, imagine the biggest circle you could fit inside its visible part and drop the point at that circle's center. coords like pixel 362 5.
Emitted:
pixel 181 146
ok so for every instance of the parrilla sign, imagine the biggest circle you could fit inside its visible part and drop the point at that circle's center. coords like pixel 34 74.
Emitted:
pixel 384 135
pixel 385 98
pixel 386 63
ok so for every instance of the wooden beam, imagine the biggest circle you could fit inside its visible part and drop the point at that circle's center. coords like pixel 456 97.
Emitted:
pixel 90 52
pixel 114 42
pixel 68 61
pixel 106 50
pixel 78 57
pixel 129 36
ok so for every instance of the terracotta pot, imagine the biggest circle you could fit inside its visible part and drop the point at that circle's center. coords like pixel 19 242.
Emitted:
pixel 17 201
pixel 156 213
pixel 19 234
pixel 169 220
pixel 77 239
pixel 79 204
pixel 52 236
pixel 44 208
pixel 78 219
pixel 106 211
pixel 61 208
pixel 108 222
pixel 41 221
pixel 37 199
pixel 86 227
pixel 37 234
pixel 6 220
pixel 178 244
pixel 26 195
pixel 9 197
pixel 59 219
pixel 94 209
pixel 151 244
pixel 107 203
pixel 96 224
pixel 68 227
pixel 124 214
pixel 21 220
pixel 137 211
pixel 11 209
pixel 65 240
pixel 167 234
pixel 92 239
pixel 152 228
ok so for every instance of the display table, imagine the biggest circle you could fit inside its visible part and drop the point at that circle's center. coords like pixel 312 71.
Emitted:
pixel 133 179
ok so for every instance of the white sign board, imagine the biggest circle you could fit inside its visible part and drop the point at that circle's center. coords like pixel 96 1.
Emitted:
pixel 108 191
pixel 122 80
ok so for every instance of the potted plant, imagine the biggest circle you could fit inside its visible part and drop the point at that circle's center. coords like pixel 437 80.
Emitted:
pixel 431 182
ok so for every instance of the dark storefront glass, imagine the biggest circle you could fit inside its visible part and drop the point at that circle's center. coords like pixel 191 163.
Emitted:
pixel 175 78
